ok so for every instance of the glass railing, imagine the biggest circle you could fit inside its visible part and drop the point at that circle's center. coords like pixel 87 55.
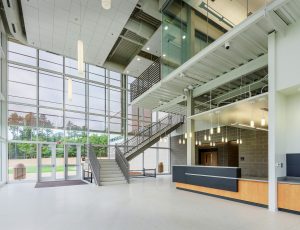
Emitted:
pixel 188 26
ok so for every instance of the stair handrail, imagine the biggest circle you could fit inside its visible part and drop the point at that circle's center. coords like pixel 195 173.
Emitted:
pixel 122 163
pixel 154 128
pixel 94 164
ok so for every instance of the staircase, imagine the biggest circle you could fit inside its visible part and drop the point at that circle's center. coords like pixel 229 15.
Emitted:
pixel 116 171
pixel 150 135
pixel 110 172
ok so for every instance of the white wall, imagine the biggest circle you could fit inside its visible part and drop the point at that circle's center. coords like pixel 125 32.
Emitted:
pixel 288 57
pixel 293 123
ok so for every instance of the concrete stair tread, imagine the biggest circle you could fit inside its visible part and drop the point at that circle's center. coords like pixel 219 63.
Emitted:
pixel 113 182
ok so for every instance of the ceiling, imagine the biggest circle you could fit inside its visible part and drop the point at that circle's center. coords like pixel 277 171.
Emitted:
pixel 239 113
pixel 214 64
pixel 56 25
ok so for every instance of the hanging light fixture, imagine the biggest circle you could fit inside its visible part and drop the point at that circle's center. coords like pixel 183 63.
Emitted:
pixel 209 138
pixel 218 128
pixel 70 89
pixel 179 141
pixel 196 142
pixel 160 140
pixel 80 58
pixel 252 123
pixel 263 120
pixel 106 4
pixel 185 135
pixel 223 139
pixel 80 64
pixel 241 141
pixel 199 143
pixel 205 136
pixel 183 142
pixel 191 135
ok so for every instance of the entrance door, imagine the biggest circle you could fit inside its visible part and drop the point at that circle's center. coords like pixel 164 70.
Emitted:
pixel 46 162
pixel 72 161
pixel 58 162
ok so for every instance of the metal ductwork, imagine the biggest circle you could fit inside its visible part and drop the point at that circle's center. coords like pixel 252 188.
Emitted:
pixel 140 28
pixel 13 17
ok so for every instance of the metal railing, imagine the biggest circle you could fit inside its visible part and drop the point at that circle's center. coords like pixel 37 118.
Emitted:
pixel 146 80
pixel 150 132
pixel 122 163
pixel 94 164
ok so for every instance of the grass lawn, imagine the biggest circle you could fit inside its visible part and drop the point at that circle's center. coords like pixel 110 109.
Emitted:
pixel 45 169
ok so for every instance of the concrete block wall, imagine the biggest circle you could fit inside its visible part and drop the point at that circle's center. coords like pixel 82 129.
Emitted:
pixel 253 153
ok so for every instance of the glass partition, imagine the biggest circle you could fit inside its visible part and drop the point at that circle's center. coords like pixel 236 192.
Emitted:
pixel 189 26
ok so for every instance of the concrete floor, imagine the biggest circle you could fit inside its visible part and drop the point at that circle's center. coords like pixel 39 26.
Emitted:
pixel 144 204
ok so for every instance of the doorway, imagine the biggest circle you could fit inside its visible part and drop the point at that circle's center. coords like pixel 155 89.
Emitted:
pixel 58 161
pixel 209 158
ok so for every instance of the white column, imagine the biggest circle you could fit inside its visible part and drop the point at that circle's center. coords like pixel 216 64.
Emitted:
pixel 277 126
pixel 190 130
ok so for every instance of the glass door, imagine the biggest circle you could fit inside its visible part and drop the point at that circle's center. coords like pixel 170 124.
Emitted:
pixel 72 160
pixel 46 162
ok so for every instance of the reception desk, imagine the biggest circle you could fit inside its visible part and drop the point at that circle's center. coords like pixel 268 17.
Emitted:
pixel 223 182
pixel 226 183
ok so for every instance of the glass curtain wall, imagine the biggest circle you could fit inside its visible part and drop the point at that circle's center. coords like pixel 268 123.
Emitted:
pixel 49 102
pixel 3 131
pixel 190 26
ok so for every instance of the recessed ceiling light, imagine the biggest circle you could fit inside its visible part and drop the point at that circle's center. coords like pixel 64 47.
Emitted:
pixel 127 71
pixel 164 55
pixel 138 59
pixel 166 27
pixel 183 37
pixel 148 48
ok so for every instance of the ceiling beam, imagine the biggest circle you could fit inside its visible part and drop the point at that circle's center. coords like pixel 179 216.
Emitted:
pixel 171 103
pixel 245 69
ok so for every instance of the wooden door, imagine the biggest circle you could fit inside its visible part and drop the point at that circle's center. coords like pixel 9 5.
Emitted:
pixel 209 158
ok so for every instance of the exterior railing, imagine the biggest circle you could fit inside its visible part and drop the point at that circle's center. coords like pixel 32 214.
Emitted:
pixel 94 164
pixel 146 80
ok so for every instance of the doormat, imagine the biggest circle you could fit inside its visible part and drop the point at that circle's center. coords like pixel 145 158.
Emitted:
pixel 49 184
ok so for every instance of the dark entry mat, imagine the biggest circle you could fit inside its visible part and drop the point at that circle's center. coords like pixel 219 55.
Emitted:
pixel 49 184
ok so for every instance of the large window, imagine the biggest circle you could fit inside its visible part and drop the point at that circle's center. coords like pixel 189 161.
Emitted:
pixel 49 101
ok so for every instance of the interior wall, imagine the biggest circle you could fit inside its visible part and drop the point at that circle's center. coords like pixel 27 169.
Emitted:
pixel 287 57
pixel 293 123
pixel 253 153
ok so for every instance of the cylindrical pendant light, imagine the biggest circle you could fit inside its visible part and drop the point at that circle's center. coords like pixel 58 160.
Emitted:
pixel 179 141
pixel 252 123
pixel 70 89
pixel 183 142
pixel 80 64
pixel 263 122
pixel 106 4
pixel 191 135
pixel 185 135
pixel 205 137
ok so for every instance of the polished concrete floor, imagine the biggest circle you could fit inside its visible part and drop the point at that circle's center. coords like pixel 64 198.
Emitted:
pixel 144 204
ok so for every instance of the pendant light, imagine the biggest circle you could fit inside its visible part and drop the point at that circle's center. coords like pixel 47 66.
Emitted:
pixel 226 140
pixel 185 135
pixel 196 142
pixel 80 63
pixel 241 141
pixel 218 128
pixel 106 4
pixel 252 124
pixel 263 120
pixel 209 138
pixel 237 136
pixel 160 140
pixel 205 136
pixel 199 143
pixel 70 89
pixel 183 142
pixel 191 135
pixel 179 141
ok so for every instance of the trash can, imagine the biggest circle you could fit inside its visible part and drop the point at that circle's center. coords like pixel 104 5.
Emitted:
pixel 19 172
pixel 160 167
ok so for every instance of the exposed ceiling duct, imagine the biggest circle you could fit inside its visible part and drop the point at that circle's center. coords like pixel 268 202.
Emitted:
pixel 140 28
pixel 13 20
